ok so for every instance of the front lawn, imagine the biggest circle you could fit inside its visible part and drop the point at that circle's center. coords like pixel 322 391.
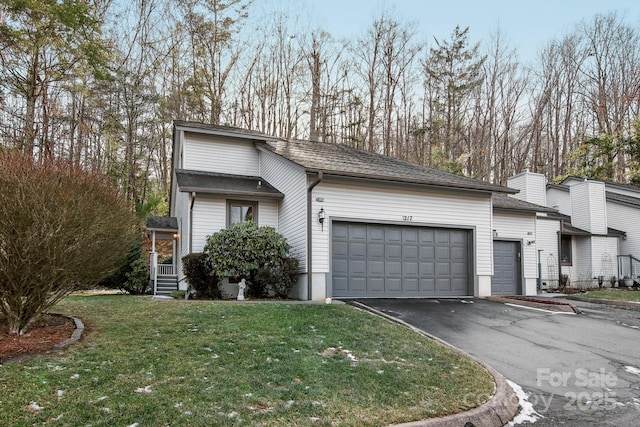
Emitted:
pixel 151 363
pixel 614 294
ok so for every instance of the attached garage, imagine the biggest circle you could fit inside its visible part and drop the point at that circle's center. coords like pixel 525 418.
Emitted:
pixel 371 260
pixel 506 264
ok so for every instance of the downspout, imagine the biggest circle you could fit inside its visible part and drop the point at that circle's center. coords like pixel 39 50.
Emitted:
pixel 193 200
pixel 309 236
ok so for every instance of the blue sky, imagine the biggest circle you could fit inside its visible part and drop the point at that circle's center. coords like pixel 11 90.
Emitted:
pixel 527 25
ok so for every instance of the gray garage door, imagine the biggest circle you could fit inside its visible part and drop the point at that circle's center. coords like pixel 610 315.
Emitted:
pixel 506 268
pixel 376 260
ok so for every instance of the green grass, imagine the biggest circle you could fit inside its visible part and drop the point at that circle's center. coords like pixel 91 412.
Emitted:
pixel 204 363
pixel 614 294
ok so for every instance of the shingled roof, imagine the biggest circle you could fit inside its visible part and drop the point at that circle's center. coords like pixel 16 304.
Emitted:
pixel 504 202
pixel 232 185
pixel 341 160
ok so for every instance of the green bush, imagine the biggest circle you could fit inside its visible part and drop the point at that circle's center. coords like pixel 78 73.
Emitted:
pixel 244 248
pixel 132 274
pixel 201 276
pixel 279 279
pixel 178 294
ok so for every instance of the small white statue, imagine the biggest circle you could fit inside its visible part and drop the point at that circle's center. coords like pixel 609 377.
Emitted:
pixel 241 286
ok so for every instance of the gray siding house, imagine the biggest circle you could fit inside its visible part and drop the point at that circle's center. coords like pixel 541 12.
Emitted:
pixel 389 228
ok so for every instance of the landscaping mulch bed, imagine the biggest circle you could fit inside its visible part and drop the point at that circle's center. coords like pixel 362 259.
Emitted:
pixel 42 335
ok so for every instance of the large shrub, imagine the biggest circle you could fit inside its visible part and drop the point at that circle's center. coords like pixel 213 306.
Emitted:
pixel 61 229
pixel 279 279
pixel 132 275
pixel 200 275
pixel 242 249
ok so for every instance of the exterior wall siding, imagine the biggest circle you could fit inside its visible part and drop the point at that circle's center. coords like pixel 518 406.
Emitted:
pixel 268 214
pixel 626 218
pixel 547 240
pixel 560 199
pixel 214 154
pixel 402 206
pixel 532 187
pixel 209 216
pixel 291 180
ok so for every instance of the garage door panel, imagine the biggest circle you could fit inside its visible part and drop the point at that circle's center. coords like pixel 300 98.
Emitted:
pixel 375 268
pixel 376 260
pixel 410 252
pixel 427 236
pixel 375 250
pixel 393 251
pixel 458 285
pixel 357 267
pixel 410 285
pixel 340 266
pixel 459 253
pixel 340 249
pixel 409 269
pixel 340 284
pixel 393 268
pixel 376 284
pixel 427 252
pixel 393 235
pixel 358 284
pixel 409 235
pixel 375 233
pixel 427 269
pixel 340 230
pixel 443 237
pixel 443 285
pixel 443 253
pixel 443 269
pixel 358 249
pixel 393 286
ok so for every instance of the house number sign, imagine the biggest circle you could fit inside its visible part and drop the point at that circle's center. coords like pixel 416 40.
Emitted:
pixel 407 217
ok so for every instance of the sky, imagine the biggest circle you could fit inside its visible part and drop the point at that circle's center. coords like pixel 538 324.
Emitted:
pixel 526 25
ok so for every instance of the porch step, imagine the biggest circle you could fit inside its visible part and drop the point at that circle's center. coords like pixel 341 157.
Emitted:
pixel 166 285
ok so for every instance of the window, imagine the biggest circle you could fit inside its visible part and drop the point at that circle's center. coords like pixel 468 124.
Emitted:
pixel 241 211
pixel 565 250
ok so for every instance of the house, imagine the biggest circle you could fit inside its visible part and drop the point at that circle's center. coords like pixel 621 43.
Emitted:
pixel 595 234
pixel 362 224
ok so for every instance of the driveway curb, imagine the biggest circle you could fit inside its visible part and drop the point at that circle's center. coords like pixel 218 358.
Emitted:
pixel 496 412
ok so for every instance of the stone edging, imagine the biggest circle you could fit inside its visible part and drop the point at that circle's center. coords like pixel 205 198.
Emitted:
pixel 75 337
pixel 496 412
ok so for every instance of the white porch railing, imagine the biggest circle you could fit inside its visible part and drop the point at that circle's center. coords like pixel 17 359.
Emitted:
pixel 165 270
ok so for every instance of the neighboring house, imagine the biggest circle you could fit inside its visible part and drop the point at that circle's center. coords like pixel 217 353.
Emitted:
pixel 594 237
pixel 361 224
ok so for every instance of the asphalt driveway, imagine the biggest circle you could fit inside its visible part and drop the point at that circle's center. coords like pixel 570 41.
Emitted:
pixel 578 370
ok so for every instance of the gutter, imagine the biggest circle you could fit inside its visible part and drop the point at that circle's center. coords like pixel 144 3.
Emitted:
pixel 309 236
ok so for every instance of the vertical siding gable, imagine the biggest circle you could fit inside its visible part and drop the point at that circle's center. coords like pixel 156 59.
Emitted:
pixel 589 210
pixel 210 153
pixel 532 187
pixel 291 180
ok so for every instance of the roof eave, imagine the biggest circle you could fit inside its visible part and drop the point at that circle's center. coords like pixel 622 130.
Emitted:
pixel 398 180
pixel 252 194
